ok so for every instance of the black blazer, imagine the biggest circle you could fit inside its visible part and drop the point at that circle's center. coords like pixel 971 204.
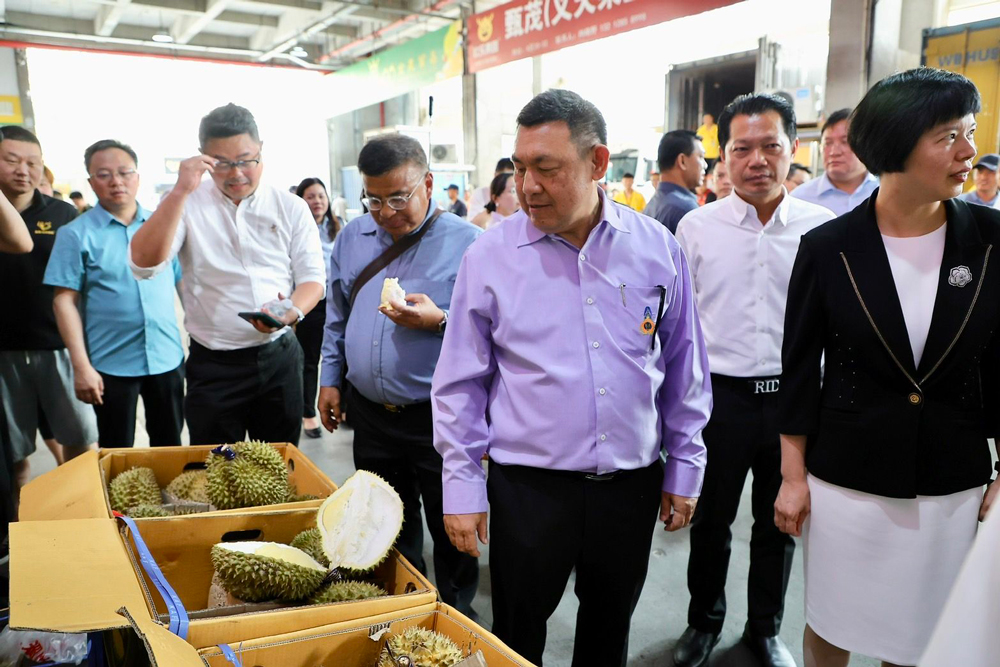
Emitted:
pixel 875 423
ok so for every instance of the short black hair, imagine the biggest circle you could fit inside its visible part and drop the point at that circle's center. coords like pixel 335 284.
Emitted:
pixel 899 109
pixel 18 133
pixel 452 187
pixel 228 121
pixel 632 176
pixel 795 166
pixel 103 145
pixel 838 116
pixel 76 194
pixel 753 105
pixel 673 144
pixel 497 187
pixel 504 164
pixel 384 153
pixel 586 123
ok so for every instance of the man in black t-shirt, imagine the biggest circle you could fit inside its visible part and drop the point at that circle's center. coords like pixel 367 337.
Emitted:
pixel 35 371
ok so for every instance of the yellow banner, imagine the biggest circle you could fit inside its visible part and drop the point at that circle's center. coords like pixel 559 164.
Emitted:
pixel 10 110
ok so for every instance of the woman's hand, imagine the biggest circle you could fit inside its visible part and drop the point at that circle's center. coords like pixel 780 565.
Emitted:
pixel 792 506
pixel 988 499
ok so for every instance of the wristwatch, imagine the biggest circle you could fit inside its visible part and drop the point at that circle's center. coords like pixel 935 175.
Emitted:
pixel 443 322
pixel 299 314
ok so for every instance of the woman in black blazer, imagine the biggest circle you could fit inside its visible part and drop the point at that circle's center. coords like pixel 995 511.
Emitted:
pixel 885 449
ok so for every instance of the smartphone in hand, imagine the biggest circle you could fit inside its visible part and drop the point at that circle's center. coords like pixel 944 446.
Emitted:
pixel 262 317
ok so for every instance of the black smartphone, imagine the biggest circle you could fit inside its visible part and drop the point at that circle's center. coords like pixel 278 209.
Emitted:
pixel 262 317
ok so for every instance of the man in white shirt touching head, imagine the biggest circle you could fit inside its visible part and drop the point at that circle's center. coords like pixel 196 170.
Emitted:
pixel 242 244
pixel 741 250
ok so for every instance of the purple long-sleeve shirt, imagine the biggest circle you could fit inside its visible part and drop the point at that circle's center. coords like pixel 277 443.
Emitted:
pixel 546 361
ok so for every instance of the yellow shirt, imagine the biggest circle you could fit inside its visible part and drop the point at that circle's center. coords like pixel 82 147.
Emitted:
pixel 710 140
pixel 637 201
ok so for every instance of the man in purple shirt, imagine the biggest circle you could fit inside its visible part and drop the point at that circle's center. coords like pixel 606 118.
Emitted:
pixel 574 357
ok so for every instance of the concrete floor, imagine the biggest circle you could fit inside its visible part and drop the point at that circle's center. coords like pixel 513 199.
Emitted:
pixel 662 612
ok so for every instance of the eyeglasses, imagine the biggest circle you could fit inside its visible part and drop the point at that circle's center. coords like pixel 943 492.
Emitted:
pixel 105 176
pixel 397 203
pixel 226 165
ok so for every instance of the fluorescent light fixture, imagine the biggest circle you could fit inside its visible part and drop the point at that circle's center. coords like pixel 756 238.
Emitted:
pixel 298 52
pixel 162 37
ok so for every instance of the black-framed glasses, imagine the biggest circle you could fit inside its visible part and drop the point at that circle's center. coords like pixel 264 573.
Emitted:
pixel 226 165
pixel 397 203
pixel 106 176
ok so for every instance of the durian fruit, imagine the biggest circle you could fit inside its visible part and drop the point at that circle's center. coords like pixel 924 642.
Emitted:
pixel 311 541
pixel 261 571
pixel 425 648
pixel 343 591
pixel 147 511
pixel 295 497
pixel 360 521
pixel 136 486
pixel 190 485
pixel 247 474
pixel 392 291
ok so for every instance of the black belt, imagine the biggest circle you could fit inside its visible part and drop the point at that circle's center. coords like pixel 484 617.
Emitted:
pixel 769 384
pixel 389 407
pixel 575 474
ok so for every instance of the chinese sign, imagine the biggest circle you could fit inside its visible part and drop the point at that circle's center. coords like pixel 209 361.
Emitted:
pixel 525 28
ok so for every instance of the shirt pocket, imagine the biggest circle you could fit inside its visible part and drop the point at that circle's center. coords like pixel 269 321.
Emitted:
pixel 633 318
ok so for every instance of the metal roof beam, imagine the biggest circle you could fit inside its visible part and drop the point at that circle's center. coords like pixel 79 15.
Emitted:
pixel 186 27
pixel 108 17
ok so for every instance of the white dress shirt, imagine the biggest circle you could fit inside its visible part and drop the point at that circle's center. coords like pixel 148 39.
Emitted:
pixel 237 258
pixel 822 192
pixel 741 269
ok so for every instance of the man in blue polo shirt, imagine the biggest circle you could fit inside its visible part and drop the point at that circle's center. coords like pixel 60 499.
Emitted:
pixel 681 159
pixel 126 343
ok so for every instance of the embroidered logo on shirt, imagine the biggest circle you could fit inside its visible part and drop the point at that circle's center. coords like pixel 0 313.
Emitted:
pixel 960 276
pixel 647 325
pixel 44 228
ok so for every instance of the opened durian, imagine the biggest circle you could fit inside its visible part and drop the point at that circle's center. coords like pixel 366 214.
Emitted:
pixel 261 571
pixel 311 541
pixel 425 648
pixel 391 291
pixel 343 591
pixel 247 474
pixel 134 487
pixel 148 511
pixel 360 521
pixel 190 485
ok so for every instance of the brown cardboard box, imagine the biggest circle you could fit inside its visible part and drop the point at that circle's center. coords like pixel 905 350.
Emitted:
pixel 78 488
pixel 357 643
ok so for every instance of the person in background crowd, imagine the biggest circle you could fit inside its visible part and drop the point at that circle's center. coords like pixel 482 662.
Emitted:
pixel 36 375
pixel 629 197
pixel 845 182
pixel 573 417
pixel 389 351
pixel 242 244
pixel 721 185
pixel 45 184
pixel 797 175
pixel 884 446
pixel 126 343
pixel 76 198
pixel 985 176
pixel 457 206
pixel 481 196
pixel 503 202
pixel 681 159
pixel 310 330
pixel 742 248
pixel 709 135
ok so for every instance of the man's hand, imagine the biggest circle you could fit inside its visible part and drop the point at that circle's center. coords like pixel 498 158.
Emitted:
pixel 329 408
pixel 190 172
pixel 288 319
pixel 463 529
pixel 89 385
pixel 676 511
pixel 792 506
pixel 423 314
pixel 989 498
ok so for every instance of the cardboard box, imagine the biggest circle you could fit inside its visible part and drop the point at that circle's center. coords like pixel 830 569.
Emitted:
pixel 358 643
pixel 78 489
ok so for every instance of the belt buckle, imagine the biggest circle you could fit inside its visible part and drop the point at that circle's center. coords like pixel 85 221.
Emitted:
pixel 603 477
pixel 391 408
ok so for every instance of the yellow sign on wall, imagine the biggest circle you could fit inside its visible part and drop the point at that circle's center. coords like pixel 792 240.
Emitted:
pixel 10 110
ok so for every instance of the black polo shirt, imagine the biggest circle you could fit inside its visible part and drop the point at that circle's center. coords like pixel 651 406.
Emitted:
pixel 30 322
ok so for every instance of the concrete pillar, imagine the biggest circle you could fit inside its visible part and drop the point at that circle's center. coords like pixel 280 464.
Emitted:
pixel 847 62
pixel 14 84
pixel 536 75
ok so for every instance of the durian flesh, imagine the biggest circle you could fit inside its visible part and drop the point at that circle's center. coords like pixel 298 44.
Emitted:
pixel 391 291
pixel 311 541
pixel 261 571
pixel 424 647
pixel 360 521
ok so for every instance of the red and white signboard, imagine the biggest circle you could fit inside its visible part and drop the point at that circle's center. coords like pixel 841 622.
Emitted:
pixel 525 28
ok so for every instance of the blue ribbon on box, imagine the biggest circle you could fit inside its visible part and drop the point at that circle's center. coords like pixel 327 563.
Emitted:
pixel 230 655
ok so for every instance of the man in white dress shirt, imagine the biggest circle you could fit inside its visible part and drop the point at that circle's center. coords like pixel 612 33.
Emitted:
pixel 740 250
pixel 845 182
pixel 241 244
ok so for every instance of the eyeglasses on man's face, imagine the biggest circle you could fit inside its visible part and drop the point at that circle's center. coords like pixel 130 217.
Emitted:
pixel 106 176
pixel 397 203
pixel 225 165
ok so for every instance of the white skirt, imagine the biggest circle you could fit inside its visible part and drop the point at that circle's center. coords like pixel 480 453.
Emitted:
pixel 878 570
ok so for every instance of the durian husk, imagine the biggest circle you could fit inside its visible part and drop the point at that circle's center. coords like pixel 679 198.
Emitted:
pixel 256 476
pixel 343 591
pixel 311 541
pixel 148 511
pixel 134 487
pixel 360 522
pixel 262 571
pixel 425 648
pixel 190 485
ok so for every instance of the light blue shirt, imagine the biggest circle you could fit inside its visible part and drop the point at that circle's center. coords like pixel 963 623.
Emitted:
pixel 822 192
pixel 973 198
pixel 130 325
pixel 388 363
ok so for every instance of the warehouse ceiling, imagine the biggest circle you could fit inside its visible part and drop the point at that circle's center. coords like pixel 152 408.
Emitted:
pixel 312 34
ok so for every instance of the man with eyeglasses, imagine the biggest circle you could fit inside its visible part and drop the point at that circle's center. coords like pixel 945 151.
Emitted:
pixel 389 350
pixel 245 247
pixel 125 343
pixel 36 376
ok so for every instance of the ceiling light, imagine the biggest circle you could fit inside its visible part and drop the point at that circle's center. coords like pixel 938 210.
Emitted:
pixel 162 37
pixel 298 52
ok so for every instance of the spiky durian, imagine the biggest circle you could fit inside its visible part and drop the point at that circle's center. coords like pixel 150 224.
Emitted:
pixel 261 571
pixel 424 647
pixel 133 487
pixel 343 591
pixel 147 511
pixel 190 485
pixel 360 521
pixel 295 497
pixel 247 474
pixel 311 541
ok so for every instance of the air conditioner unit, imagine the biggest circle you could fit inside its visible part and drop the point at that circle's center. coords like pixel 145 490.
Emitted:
pixel 805 101
pixel 445 153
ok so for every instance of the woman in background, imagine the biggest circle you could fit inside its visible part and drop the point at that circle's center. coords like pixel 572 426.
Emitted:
pixel 503 202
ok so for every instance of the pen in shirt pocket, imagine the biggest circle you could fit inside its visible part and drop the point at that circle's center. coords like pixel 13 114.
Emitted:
pixel 622 289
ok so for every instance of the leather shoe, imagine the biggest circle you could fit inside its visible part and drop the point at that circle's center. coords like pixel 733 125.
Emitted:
pixel 313 433
pixel 694 647
pixel 771 651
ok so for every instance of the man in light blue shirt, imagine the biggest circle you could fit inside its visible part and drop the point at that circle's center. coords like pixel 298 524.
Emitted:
pixel 846 182
pixel 985 176
pixel 389 348
pixel 121 333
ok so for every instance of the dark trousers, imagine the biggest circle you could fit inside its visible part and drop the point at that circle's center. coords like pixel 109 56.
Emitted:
pixel 741 436
pixel 255 392
pixel 162 398
pixel 543 524
pixel 310 334
pixel 398 446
